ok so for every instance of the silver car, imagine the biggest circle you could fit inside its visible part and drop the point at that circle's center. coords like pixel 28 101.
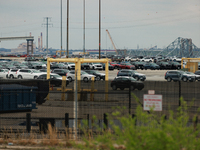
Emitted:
pixel 84 76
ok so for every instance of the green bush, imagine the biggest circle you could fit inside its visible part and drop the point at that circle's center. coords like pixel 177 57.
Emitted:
pixel 151 132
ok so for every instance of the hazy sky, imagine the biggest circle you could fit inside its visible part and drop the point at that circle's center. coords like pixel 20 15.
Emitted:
pixel 130 22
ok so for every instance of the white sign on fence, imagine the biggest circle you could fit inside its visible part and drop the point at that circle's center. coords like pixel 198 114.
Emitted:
pixel 151 92
pixel 152 101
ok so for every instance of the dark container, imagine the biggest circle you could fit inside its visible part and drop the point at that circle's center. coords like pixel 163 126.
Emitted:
pixel 42 87
pixel 16 97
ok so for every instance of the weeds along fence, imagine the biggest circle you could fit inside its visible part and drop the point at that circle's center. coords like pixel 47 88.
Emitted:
pixel 92 100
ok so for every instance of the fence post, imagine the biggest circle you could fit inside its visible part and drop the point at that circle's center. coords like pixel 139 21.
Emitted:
pixel 130 99
pixel 179 102
pixel 195 122
pixel 105 120
pixel 134 117
pixel 165 117
pixel 88 119
pixel 28 122
pixel 67 120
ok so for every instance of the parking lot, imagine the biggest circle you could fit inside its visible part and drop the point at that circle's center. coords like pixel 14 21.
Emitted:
pixel 56 108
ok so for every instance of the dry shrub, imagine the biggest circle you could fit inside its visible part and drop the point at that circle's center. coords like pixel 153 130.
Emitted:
pixel 23 142
pixel 45 142
pixel 2 141
pixel 103 147
pixel 10 141
pixel 68 144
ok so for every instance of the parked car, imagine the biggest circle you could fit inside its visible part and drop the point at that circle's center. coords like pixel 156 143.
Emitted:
pixel 123 82
pixel 197 72
pixel 132 73
pixel 175 65
pixel 71 66
pixel 197 77
pixel 4 73
pixel 114 64
pixel 59 65
pixel 34 65
pixel 12 73
pixel 147 59
pixel 9 66
pixel 110 67
pixel 21 66
pixel 61 72
pixel 138 64
pixel 30 59
pixel 44 70
pixel 28 74
pixel 176 75
pixel 152 66
pixel 96 66
pixel 85 66
pixel 125 65
pixel 84 76
pixel 55 79
pixel 130 59
pixel 127 58
pixel 164 65
pixel 117 58
pixel 99 75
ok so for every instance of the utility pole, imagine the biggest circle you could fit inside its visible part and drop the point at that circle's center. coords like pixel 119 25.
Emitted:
pixel 99 29
pixel 61 24
pixel 47 25
pixel 67 47
pixel 83 27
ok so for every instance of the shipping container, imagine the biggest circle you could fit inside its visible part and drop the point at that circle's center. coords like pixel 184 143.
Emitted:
pixel 16 97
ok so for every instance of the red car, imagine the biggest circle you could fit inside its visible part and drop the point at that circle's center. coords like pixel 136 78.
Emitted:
pixel 114 64
pixel 126 65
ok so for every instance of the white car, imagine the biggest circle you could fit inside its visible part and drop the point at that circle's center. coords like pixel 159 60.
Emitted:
pixel 84 76
pixel 28 74
pixel 3 73
pixel 147 59
pixel 128 58
pixel 12 73
pixel 71 66
pixel 96 66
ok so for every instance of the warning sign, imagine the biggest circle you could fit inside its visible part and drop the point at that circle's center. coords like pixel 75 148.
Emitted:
pixel 152 101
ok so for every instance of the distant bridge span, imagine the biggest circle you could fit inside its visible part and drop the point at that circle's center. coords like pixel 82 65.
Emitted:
pixel 29 40
pixel 17 38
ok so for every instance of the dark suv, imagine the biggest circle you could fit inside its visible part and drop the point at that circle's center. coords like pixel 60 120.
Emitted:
pixel 164 65
pixel 131 73
pixel 98 74
pixel 126 82
pixel 61 72
pixel 179 76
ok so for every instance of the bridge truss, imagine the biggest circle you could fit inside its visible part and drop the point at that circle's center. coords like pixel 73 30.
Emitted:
pixel 181 47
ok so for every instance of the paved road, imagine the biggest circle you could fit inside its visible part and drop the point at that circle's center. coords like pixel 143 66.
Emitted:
pixel 155 75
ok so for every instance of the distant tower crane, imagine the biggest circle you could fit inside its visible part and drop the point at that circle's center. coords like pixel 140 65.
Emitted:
pixel 112 42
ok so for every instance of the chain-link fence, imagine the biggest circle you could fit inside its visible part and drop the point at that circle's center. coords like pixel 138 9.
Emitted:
pixel 93 99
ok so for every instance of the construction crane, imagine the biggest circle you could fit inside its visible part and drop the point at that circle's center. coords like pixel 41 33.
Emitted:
pixel 112 41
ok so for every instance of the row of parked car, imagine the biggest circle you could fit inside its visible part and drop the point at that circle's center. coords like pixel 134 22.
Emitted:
pixel 55 74
pixel 178 75
pixel 54 65
pixel 146 65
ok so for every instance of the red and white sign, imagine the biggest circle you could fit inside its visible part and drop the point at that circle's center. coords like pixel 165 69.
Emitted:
pixel 152 101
